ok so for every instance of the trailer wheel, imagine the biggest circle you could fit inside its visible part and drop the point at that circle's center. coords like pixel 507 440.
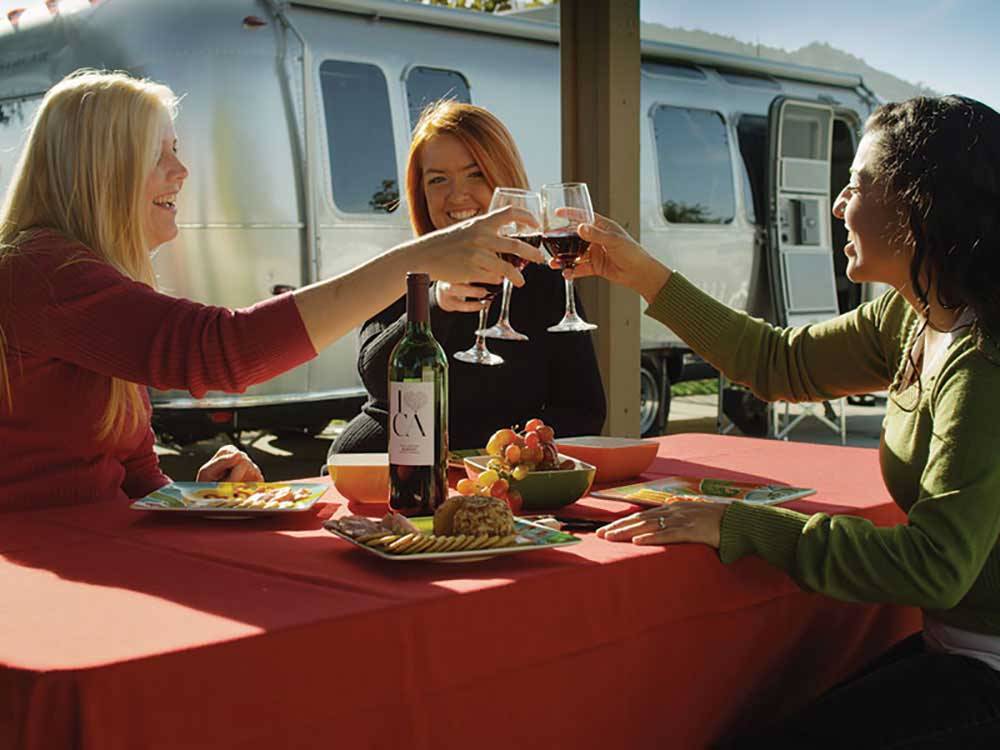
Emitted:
pixel 654 398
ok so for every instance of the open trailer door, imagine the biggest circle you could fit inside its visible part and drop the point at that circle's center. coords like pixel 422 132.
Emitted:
pixel 800 252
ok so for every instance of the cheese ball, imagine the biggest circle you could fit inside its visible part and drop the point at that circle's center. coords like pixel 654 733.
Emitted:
pixel 483 516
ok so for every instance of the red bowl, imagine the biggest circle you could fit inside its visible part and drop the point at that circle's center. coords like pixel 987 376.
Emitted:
pixel 615 458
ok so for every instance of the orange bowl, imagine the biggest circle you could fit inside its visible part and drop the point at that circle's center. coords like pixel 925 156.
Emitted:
pixel 361 477
pixel 615 458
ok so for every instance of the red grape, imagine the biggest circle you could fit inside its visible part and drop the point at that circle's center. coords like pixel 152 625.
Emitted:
pixel 513 454
pixel 515 501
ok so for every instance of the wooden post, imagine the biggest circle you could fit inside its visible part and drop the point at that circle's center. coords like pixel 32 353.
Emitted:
pixel 599 50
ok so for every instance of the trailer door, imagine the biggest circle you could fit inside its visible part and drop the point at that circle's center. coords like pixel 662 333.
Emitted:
pixel 800 245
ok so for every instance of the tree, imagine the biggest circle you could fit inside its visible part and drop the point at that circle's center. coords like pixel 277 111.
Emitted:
pixel 677 212
pixel 386 198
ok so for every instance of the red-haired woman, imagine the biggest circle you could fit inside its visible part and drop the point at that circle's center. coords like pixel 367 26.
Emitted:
pixel 459 154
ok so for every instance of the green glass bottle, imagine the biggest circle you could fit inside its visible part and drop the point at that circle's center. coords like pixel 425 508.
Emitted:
pixel 418 410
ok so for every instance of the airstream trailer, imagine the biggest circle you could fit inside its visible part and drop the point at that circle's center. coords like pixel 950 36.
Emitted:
pixel 295 123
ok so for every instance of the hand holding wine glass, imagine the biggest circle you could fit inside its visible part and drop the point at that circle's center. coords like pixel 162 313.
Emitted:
pixel 517 256
pixel 459 297
pixel 560 202
pixel 614 255
pixel 471 250
pixel 528 202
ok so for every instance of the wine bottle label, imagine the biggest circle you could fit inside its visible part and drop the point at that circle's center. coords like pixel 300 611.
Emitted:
pixel 411 423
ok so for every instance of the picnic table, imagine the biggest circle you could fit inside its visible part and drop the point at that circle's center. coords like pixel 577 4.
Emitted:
pixel 124 629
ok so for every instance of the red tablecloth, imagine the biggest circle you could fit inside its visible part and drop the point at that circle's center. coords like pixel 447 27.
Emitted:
pixel 121 629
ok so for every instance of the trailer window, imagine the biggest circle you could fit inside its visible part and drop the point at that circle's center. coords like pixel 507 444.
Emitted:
pixel 428 85
pixel 696 174
pixel 359 135
pixel 738 78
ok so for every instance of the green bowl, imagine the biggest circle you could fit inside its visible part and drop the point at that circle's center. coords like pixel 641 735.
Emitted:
pixel 543 490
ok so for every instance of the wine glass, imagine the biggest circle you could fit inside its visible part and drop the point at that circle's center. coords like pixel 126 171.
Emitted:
pixel 478 354
pixel 564 206
pixel 532 202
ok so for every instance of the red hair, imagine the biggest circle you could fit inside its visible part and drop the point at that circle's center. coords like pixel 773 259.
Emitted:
pixel 490 143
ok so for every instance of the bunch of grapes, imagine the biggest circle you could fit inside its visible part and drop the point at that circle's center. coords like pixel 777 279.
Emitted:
pixel 491 483
pixel 513 456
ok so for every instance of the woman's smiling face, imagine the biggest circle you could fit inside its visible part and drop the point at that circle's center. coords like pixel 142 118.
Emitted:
pixel 162 187
pixel 455 187
pixel 874 249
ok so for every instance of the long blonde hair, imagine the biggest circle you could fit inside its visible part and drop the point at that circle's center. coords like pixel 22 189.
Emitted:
pixel 481 132
pixel 92 143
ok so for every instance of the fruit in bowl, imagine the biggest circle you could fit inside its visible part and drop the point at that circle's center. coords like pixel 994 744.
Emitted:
pixel 526 470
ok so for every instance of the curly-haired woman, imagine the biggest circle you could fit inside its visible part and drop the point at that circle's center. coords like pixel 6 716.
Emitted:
pixel 922 212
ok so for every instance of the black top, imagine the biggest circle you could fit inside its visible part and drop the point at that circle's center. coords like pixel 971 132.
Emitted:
pixel 553 376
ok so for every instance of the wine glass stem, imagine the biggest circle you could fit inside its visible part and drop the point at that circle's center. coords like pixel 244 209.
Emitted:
pixel 570 299
pixel 481 340
pixel 505 303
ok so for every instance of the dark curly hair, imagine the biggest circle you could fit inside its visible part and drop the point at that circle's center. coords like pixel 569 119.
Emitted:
pixel 939 160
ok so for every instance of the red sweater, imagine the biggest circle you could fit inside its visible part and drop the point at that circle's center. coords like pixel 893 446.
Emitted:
pixel 72 322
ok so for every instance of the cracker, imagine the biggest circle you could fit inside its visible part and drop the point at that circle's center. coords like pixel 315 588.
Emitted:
pixel 502 541
pixel 444 515
pixel 478 542
pixel 425 541
pixel 447 542
pixel 438 545
pixel 403 543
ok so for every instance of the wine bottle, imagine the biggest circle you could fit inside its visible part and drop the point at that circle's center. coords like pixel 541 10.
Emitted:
pixel 418 410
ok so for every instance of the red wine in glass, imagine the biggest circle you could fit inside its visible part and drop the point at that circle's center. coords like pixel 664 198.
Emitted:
pixel 567 247
pixel 535 240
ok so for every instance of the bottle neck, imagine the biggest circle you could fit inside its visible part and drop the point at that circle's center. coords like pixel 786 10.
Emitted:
pixel 418 313
pixel 417 327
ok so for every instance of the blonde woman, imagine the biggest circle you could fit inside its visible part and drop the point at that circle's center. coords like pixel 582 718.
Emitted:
pixel 83 330
pixel 458 155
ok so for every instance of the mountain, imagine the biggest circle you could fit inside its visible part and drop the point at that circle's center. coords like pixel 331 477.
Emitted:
pixel 816 55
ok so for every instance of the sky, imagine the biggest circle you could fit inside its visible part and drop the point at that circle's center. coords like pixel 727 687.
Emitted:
pixel 953 46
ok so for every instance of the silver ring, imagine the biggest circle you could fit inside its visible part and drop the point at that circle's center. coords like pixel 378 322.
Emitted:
pixel 661 522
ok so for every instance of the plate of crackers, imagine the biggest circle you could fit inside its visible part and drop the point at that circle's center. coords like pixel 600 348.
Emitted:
pixel 233 499
pixel 464 529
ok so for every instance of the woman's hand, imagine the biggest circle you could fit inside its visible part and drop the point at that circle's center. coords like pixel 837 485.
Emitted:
pixel 677 522
pixel 617 257
pixel 229 465
pixel 459 297
pixel 470 250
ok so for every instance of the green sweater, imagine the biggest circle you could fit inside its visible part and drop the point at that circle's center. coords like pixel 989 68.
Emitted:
pixel 940 455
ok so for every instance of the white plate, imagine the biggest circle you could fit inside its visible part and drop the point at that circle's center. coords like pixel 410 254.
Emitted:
pixel 189 497
pixel 530 536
